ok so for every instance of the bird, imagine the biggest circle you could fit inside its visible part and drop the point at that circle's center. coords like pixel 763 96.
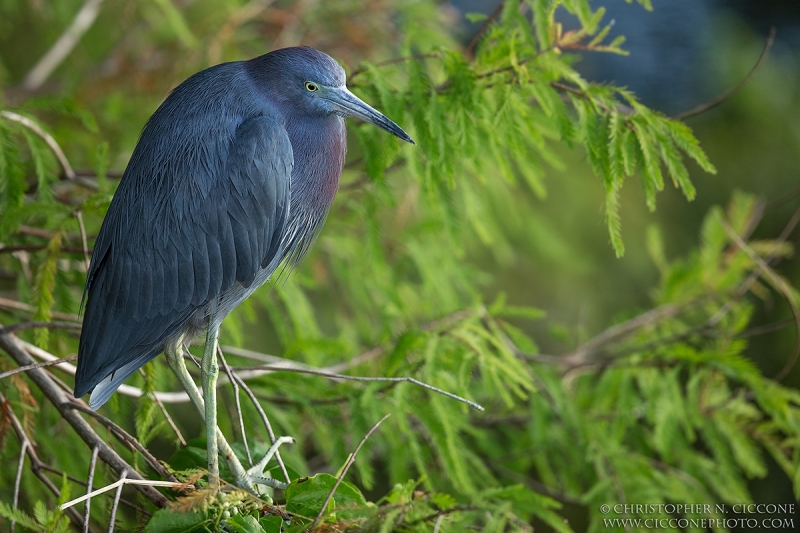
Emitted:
pixel 232 176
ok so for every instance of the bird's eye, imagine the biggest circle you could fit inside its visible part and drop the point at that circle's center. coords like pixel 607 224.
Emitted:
pixel 311 87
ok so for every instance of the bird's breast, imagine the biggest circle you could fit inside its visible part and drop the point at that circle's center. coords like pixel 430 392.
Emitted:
pixel 319 146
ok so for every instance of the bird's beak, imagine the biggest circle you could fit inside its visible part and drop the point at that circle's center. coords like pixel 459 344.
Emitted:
pixel 349 104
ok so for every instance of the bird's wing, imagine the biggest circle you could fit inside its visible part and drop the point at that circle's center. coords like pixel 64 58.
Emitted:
pixel 158 260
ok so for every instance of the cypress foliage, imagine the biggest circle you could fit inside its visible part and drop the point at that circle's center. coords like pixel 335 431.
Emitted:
pixel 663 406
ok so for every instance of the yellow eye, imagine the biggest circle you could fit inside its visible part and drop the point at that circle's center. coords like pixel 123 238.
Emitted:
pixel 310 87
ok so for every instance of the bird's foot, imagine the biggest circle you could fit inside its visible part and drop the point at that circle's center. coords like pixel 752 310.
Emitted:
pixel 254 476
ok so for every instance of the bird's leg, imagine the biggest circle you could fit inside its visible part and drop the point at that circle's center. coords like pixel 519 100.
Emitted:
pixel 209 370
pixel 178 366
pixel 244 479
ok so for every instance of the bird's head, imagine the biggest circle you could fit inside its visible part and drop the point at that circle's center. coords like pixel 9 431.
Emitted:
pixel 313 83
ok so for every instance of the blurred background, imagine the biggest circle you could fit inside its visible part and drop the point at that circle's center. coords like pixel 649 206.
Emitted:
pixel 683 53
pixel 558 257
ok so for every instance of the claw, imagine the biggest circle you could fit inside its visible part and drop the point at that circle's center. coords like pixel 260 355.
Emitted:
pixel 255 475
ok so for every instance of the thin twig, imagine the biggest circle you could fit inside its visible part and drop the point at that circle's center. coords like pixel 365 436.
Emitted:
pixel 335 375
pixel 18 479
pixel 89 481
pixel 164 411
pixel 5 303
pixel 63 46
pixel 26 368
pixel 238 402
pixel 124 437
pixel 36 247
pixel 485 26
pixel 265 419
pixel 751 279
pixel 348 464
pixel 444 512
pixel 84 240
pixel 34 325
pixel 64 405
pixel 170 421
pixel 369 355
pixel 53 145
pixel 727 95
pixel 92 173
pixel 394 61
pixel 587 352
pixel 36 464
pixel 124 480
pixel 781 286
pixel 125 390
pixel 117 496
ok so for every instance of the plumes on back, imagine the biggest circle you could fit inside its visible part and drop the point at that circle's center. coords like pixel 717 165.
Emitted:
pixel 233 174
pixel 202 215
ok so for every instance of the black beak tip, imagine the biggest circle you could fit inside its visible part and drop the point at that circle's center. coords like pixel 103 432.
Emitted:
pixel 405 136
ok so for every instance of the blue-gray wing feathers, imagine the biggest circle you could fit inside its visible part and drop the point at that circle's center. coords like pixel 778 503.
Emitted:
pixel 167 251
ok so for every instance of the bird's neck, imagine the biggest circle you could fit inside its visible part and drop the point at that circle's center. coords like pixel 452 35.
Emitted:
pixel 319 145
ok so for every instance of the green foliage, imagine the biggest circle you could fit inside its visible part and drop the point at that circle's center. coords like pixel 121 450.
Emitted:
pixel 670 410
pixel 43 521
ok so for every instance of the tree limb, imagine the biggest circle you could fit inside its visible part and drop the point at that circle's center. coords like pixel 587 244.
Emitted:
pixel 63 46
pixel 64 406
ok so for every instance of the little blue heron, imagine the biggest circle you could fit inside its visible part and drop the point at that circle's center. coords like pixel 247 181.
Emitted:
pixel 232 176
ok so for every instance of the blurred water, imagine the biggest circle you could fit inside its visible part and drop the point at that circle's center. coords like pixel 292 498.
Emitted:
pixel 670 66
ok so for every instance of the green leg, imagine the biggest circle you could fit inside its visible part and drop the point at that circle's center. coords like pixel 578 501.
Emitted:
pixel 176 363
pixel 209 371
pixel 245 479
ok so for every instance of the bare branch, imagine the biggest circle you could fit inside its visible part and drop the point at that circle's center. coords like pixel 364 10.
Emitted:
pixel 15 499
pixel 89 481
pixel 238 403
pixel 335 375
pixel 33 325
pixel 63 46
pixel 727 95
pixel 264 419
pixel 181 397
pixel 125 390
pixel 53 145
pixel 780 284
pixel 476 39
pixel 751 279
pixel 65 406
pixel 586 354
pixel 84 240
pixel 125 438
pixel 36 365
pixel 117 496
pixel 36 464
pixel 347 465
pixel 6 303
pixel 37 247
pixel 170 421
pixel 124 480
